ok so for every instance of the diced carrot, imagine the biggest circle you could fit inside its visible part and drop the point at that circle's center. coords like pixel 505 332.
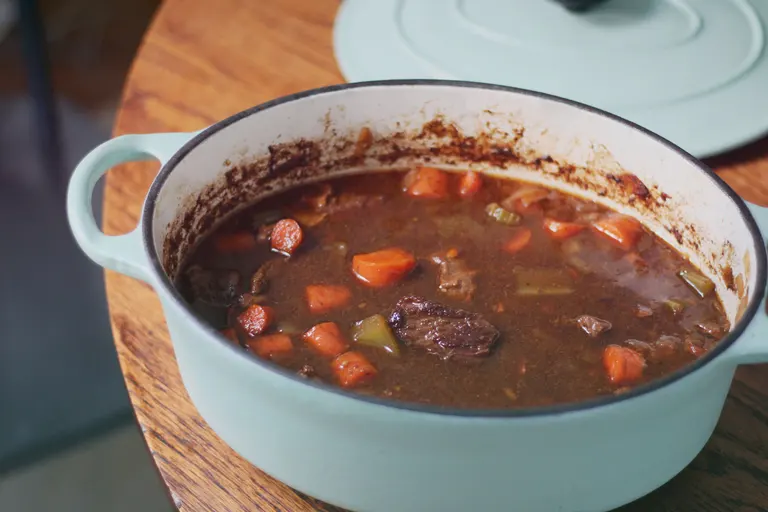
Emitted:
pixel 322 298
pixel 286 236
pixel 384 267
pixel 452 253
pixel 235 242
pixel 271 346
pixel 520 239
pixel 470 183
pixel 256 319
pixel 426 182
pixel 623 364
pixel 353 369
pixel 327 339
pixel 623 231
pixel 231 335
pixel 561 230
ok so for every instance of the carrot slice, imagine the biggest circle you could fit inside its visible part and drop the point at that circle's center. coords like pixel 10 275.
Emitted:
pixel 623 231
pixel 470 183
pixel 322 298
pixel 327 339
pixel 426 182
pixel 561 230
pixel 286 236
pixel 623 364
pixel 271 346
pixel 520 238
pixel 235 242
pixel 353 369
pixel 256 319
pixel 384 267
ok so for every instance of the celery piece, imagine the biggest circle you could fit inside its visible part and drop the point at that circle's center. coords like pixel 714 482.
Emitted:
pixel 502 215
pixel 675 306
pixel 374 331
pixel 698 282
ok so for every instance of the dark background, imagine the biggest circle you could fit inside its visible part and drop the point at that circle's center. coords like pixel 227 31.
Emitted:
pixel 62 66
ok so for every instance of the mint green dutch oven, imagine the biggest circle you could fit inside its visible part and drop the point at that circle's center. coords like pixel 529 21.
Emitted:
pixel 371 454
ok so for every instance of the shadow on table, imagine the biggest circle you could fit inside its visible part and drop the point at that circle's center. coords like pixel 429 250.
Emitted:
pixel 740 156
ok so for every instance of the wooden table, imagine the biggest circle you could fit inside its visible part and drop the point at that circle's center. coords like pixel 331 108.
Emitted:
pixel 202 61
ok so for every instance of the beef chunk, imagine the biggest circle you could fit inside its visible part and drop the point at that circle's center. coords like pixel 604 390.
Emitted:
pixel 639 346
pixel 666 346
pixel 663 348
pixel 456 279
pixel 592 325
pixel 215 287
pixel 441 330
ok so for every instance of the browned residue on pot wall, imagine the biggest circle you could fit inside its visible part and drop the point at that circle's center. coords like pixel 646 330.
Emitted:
pixel 438 142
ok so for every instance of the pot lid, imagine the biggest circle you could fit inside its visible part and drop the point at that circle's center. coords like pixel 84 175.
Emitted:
pixel 696 72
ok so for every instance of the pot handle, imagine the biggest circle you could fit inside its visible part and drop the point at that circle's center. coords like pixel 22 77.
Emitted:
pixel 123 253
pixel 752 346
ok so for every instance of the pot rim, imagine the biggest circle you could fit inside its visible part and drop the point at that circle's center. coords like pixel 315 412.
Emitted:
pixel 536 411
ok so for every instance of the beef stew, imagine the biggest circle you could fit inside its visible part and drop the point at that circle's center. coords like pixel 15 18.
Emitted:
pixel 453 289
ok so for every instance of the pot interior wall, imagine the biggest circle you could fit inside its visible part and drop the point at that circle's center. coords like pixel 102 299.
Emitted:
pixel 507 133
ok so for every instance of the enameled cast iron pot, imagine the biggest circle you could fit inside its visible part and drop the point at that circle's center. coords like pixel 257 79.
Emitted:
pixel 371 454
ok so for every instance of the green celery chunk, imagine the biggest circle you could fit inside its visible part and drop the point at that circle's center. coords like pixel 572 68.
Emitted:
pixel 502 215
pixel 374 331
pixel 698 282
pixel 675 306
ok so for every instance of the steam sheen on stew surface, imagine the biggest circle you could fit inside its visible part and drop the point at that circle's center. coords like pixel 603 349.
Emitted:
pixel 452 289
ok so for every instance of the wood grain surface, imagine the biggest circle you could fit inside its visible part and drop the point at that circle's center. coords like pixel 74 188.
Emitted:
pixel 202 61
